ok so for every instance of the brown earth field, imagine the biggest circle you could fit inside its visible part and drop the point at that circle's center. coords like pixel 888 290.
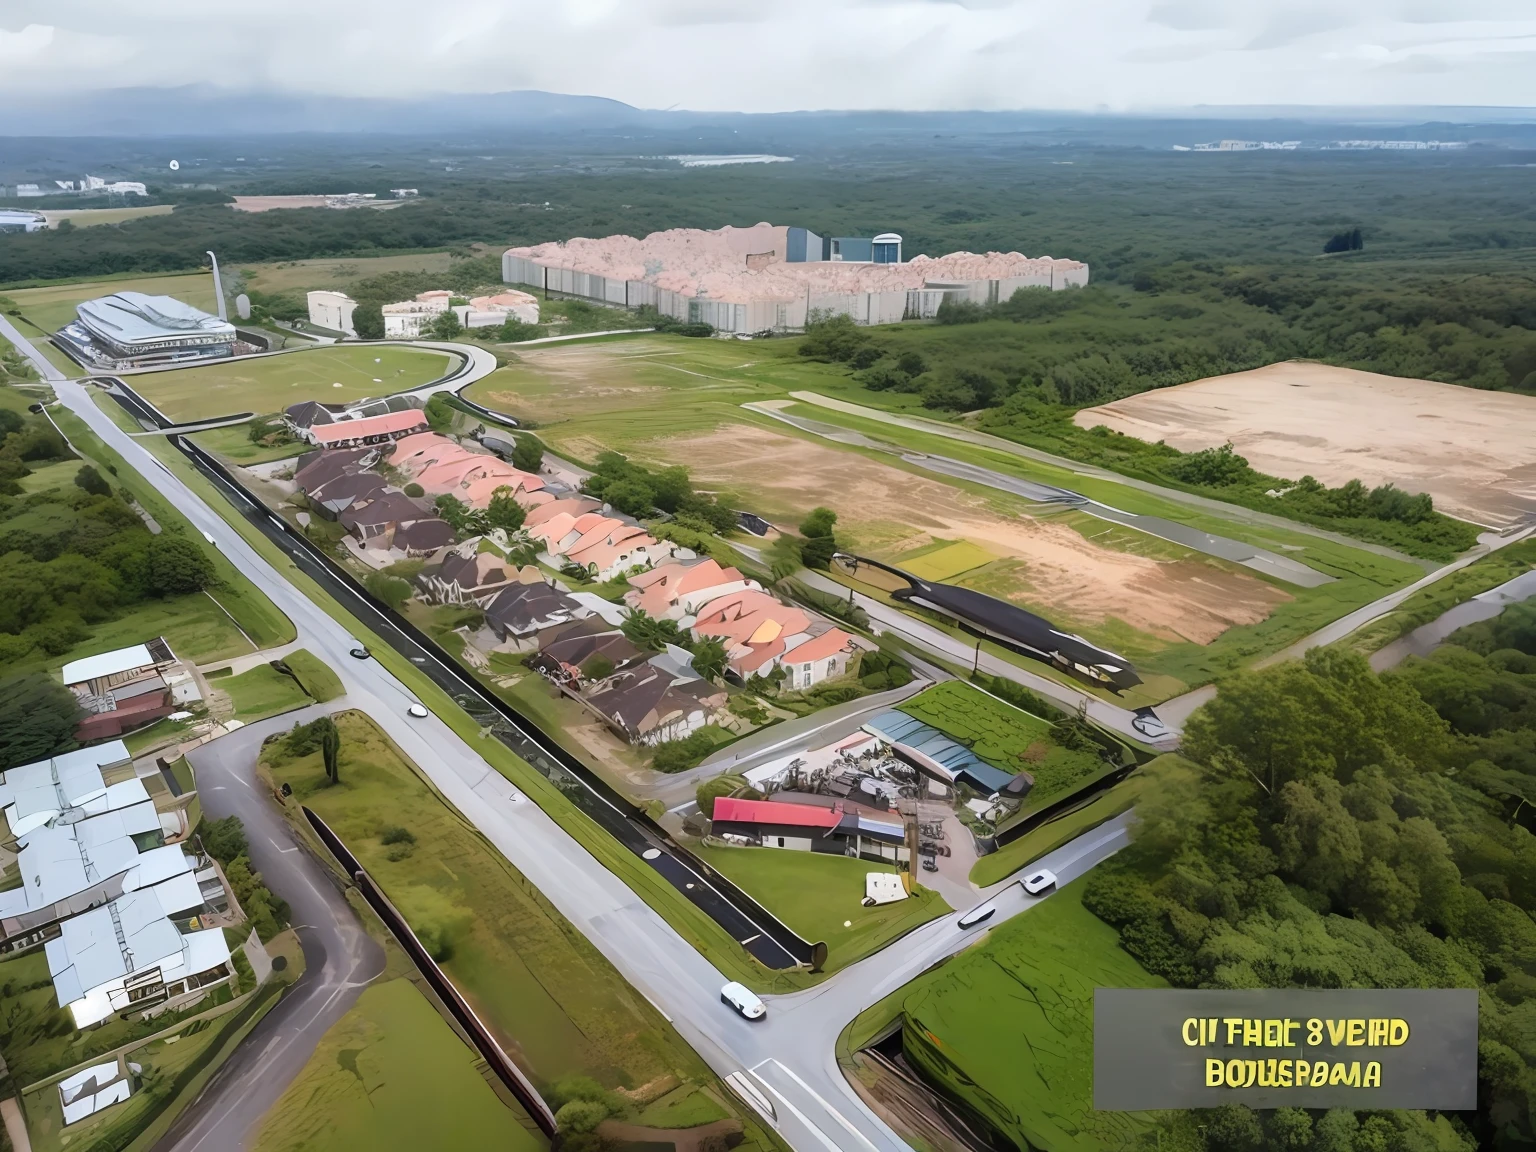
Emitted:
pixel 1473 451
pixel 889 511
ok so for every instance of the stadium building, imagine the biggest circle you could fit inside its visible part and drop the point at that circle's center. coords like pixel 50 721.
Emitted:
pixel 132 330
pixel 767 278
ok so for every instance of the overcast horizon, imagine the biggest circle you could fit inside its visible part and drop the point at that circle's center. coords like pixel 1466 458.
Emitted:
pixel 1144 56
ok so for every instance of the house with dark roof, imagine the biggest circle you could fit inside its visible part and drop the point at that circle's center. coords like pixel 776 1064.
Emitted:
pixel 648 704
pixel 306 415
pixel 561 657
pixel 469 578
pixel 423 537
pixel 315 468
pixel 519 612
pixel 330 499
pixel 374 523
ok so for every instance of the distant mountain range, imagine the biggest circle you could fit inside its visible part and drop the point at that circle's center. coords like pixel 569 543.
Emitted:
pixel 203 110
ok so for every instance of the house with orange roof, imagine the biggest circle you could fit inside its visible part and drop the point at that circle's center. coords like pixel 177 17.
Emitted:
pixel 604 545
pixel 760 634
pixel 366 430
pixel 679 588
pixel 443 467
pixel 574 505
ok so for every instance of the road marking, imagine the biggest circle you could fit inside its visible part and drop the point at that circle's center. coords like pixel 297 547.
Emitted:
pixel 749 939
pixel 799 1115
pixel 836 1115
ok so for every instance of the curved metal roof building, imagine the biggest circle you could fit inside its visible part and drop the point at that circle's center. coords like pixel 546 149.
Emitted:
pixel 131 328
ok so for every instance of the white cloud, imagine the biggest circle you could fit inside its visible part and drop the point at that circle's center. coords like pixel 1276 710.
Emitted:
pixel 772 55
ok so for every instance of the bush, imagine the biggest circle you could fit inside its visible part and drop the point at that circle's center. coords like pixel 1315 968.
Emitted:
pixel 92 481
pixel 414 490
pixel 224 839
pixel 711 790
pixel 392 590
pixel 394 834
pixel 680 755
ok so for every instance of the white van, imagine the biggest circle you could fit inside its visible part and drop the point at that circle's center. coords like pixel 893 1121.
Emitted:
pixel 978 915
pixel 744 1000
pixel 1038 882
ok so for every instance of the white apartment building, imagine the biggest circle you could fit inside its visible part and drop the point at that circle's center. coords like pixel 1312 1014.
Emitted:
pixel 332 310
pixel 406 319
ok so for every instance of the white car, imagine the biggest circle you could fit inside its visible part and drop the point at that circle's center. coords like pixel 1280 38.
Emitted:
pixel 744 1000
pixel 417 711
pixel 1038 882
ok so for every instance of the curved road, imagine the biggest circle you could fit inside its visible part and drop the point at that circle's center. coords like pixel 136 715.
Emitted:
pixel 340 958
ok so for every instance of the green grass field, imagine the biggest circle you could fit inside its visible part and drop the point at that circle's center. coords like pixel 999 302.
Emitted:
pixel 392 1075
pixel 331 374
pixel 818 896
pixel 314 674
pixel 90 217
pixel 1007 1027
pixel 303 275
pixel 263 692
pixel 534 979
pixel 1005 737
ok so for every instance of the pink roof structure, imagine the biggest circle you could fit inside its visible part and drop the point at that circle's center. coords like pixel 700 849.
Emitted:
pixel 829 643
pixel 656 592
pixel 729 808
pixel 384 425
pixel 572 505
pixel 442 467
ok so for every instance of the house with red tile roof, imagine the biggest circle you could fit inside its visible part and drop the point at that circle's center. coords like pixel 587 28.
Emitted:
pixel 811 825
pixel 604 545
pixel 366 430
pixel 680 588
pixel 443 467
pixel 760 634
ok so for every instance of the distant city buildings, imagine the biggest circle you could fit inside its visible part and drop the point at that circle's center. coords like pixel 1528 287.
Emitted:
pixel 1345 145
pixel 494 311
pixel 774 279
pixel 132 330
pixel 90 185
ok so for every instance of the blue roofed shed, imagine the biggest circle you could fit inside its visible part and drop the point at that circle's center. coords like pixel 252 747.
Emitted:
pixel 931 750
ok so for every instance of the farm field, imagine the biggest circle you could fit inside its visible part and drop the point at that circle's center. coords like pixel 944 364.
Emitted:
pixel 50 308
pixel 818 896
pixel 1182 617
pixel 391 1074
pixel 1469 449
pixel 306 274
pixel 335 374
pixel 1005 737
pixel 1007 1026
pixel 552 999
pixel 87 217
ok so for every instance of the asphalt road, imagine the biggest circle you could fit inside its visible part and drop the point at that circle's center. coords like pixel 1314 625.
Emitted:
pixel 340 958
pixel 791 1054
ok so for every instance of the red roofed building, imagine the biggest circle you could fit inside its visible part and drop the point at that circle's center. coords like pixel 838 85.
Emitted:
pixel 760 634
pixel 811 826
pixel 381 429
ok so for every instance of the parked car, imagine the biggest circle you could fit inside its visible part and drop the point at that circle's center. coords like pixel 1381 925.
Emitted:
pixel 1038 882
pixel 417 711
pixel 929 865
pixel 359 650
pixel 978 915
pixel 744 1000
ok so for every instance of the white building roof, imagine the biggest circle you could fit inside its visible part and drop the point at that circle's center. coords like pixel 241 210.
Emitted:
pixel 134 318
pixel 92 1089
pixel 108 664
pixel 59 860
pixel 34 794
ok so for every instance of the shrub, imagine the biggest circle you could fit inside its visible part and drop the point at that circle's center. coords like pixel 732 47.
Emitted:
pixel 394 834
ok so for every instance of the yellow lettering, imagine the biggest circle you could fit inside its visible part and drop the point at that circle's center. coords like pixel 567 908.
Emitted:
pixel 1302 1069
pixel 1274 1033
pixel 1314 1032
pixel 1349 1077
pixel 1356 1034
pixel 1253 1032
pixel 1378 1033
pixel 1285 1074
pixel 1267 1074
pixel 1214 1077
pixel 1291 1026
pixel 1250 1072
pixel 1336 1030
pixel 1397 1032
pixel 1372 1075
pixel 1234 1073
pixel 1233 1023
pixel 1200 1032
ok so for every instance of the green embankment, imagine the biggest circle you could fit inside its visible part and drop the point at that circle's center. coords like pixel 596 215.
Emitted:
pixel 818 896
pixel 263 692
pixel 537 982
pixel 1006 1028
pixel 1005 737
pixel 391 1075
pixel 314 675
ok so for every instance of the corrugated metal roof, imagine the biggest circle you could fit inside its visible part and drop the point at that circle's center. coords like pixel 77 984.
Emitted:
pixel 938 751
pixel 108 664
pixel 729 808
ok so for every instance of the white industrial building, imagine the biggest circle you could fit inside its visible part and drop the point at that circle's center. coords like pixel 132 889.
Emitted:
pixel 117 910
pixel 332 311
pixel 131 330
pixel 494 311
pixel 768 278
pixel 406 319
pixel 21 220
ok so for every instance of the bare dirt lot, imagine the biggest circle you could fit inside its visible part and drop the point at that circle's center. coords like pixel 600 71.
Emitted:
pixel 890 511
pixel 1473 451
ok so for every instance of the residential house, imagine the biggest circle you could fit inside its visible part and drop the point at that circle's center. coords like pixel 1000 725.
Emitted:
pixel 680 587
pixel 760 634
pixel 331 498
pixel 364 430
pixel 421 538
pixel 80 782
pixel 649 704
pixel 942 759
pixel 406 319
pixel 315 468
pixel 519 612
pixel 494 311
pixel 443 467
pixel 811 824
pixel 300 417
pixel 128 688
pixel 562 656
pixel 468 576
pixel 604 545
pixel 572 506
pixel 374 524
pixel 332 310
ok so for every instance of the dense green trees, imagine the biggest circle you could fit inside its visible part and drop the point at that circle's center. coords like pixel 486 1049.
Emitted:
pixel 1336 828
pixel 528 454
pixel 37 719
pixel 640 492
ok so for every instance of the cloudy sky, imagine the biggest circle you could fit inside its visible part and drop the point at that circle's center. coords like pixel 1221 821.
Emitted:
pixel 774 55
